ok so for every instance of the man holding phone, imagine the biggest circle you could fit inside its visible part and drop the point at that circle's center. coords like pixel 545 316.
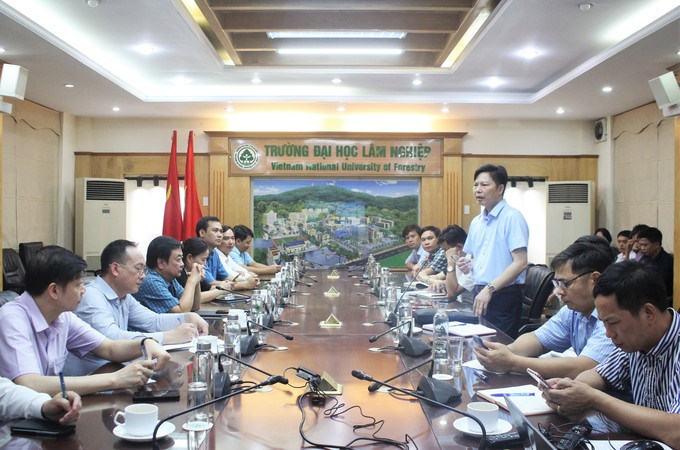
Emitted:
pixel 576 325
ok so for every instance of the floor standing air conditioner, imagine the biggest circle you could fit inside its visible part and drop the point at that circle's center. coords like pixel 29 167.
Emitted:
pixel 100 216
pixel 570 214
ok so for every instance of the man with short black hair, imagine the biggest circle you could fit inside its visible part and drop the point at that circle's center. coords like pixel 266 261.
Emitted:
pixel 411 235
pixel 622 244
pixel 39 329
pixel 209 229
pixel 649 240
pixel 451 240
pixel 244 239
pixel 433 262
pixel 631 302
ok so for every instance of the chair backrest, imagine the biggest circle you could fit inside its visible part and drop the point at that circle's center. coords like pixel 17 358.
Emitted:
pixel 537 288
pixel 27 250
pixel 13 273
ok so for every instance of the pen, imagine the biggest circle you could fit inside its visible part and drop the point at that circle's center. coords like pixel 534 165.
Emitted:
pixel 514 394
pixel 63 385
pixel 481 375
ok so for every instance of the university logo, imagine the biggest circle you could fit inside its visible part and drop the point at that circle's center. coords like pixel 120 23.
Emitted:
pixel 246 156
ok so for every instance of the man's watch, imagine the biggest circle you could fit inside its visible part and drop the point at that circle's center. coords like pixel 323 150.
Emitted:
pixel 491 288
pixel 450 269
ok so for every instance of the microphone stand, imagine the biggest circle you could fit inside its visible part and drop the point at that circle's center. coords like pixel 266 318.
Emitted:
pixel 363 376
pixel 243 297
pixel 271 380
pixel 284 380
pixel 392 317
pixel 375 386
pixel 249 343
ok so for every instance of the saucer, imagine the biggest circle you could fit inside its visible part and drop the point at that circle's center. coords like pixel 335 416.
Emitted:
pixel 462 426
pixel 163 431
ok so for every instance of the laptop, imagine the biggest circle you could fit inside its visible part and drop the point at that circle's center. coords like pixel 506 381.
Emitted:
pixel 532 439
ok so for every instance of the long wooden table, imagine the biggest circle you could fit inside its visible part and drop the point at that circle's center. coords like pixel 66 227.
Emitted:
pixel 270 420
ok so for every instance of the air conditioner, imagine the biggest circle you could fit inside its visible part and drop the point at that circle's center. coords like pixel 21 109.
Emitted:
pixel 570 214
pixel 100 216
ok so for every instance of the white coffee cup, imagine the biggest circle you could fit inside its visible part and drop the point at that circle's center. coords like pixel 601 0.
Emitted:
pixel 140 419
pixel 486 412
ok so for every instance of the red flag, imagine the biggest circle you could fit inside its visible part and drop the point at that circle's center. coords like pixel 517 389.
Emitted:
pixel 192 209
pixel 172 219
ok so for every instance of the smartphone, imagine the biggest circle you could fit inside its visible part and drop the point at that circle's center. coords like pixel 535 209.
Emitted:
pixel 37 427
pixel 539 379
pixel 479 342
pixel 158 396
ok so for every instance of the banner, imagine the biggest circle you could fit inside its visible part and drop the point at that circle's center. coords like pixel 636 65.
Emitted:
pixel 192 208
pixel 172 218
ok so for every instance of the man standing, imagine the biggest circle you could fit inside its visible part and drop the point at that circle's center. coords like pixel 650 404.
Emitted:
pixel 576 324
pixel 160 291
pixel 653 253
pixel 631 302
pixel 39 329
pixel 497 240
pixel 109 307
pixel 244 239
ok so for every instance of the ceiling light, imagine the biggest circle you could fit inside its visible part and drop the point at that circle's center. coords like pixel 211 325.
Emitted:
pixel 417 82
pixel 115 109
pixel 464 41
pixel 677 53
pixel 2 50
pixel 180 80
pixel 93 3
pixel 69 85
pixel 493 82
pixel 336 34
pixel 607 89
pixel 339 51
pixel 256 79
pixel 341 108
pixel 585 6
pixel 145 49
pixel 559 110
pixel 229 109
pixel 445 109
pixel 336 80
pixel 529 53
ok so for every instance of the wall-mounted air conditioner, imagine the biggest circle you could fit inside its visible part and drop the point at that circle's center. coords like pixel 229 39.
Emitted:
pixel 100 216
pixel 570 214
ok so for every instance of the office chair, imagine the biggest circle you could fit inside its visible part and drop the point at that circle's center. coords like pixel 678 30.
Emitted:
pixel 27 250
pixel 537 288
pixel 13 273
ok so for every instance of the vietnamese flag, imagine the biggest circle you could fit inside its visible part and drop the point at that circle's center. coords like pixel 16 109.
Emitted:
pixel 192 209
pixel 172 218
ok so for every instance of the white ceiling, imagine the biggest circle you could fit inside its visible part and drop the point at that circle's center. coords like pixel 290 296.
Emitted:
pixel 619 43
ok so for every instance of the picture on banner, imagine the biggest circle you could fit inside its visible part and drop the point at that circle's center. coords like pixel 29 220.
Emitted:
pixel 333 223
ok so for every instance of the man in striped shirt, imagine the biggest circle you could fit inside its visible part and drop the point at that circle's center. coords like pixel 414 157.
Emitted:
pixel 631 301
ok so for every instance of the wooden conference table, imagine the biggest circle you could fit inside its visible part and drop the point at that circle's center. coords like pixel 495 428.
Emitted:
pixel 270 420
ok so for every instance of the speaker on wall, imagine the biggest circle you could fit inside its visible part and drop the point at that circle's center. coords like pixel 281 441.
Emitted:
pixel 13 81
pixel 600 130
pixel 665 89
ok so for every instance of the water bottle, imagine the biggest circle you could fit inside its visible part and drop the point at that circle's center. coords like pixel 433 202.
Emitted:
pixel 405 315
pixel 440 322
pixel 204 366
pixel 232 345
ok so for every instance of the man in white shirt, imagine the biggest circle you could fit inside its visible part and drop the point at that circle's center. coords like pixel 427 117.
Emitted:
pixel 224 250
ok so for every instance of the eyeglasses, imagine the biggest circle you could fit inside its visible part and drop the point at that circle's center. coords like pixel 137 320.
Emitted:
pixel 140 272
pixel 566 284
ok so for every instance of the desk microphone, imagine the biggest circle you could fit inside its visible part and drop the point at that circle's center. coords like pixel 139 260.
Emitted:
pixel 310 277
pixel 364 376
pixel 375 386
pixel 408 345
pixel 242 296
pixel 220 367
pixel 249 343
pixel 392 316
pixel 271 380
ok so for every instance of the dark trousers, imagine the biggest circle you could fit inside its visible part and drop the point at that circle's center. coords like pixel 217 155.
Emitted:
pixel 505 309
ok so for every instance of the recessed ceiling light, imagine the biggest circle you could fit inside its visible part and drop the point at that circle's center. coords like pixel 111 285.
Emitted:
pixel 2 50
pixel 256 80
pixel 339 51
pixel 180 80
pixel 417 82
pixel 336 34
pixel 559 110
pixel 585 6
pixel 493 82
pixel 341 108
pixel 69 85
pixel 145 49
pixel 336 80
pixel 677 53
pixel 529 53
pixel 607 89
pixel 115 109
pixel 93 3
pixel 229 108
pixel 445 109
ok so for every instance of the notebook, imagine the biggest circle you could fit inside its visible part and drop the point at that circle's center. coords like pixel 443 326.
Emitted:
pixel 526 397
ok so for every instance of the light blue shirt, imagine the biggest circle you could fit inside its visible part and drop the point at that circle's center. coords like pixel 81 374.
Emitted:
pixel 492 239
pixel 586 335
pixel 416 256
pixel 214 270
pixel 240 258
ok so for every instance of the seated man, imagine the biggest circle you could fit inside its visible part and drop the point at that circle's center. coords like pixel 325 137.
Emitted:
pixel 209 229
pixel 39 329
pixel 160 291
pixel 653 253
pixel 434 260
pixel 244 279
pixel 631 302
pixel 109 307
pixel 411 235
pixel 452 240
pixel 244 238
pixel 576 325
pixel 21 402
pixel 622 244
pixel 633 247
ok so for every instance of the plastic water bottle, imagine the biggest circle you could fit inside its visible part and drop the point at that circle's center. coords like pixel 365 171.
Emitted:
pixel 232 345
pixel 204 366
pixel 440 322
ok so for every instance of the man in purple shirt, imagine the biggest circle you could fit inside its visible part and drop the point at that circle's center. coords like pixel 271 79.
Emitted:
pixel 39 329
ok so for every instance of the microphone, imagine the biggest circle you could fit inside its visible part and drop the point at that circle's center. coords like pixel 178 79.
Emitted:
pixel 364 376
pixel 375 386
pixel 378 336
pixel 271 380
pixel 392 316
pixel 310 277
pixel 408 345
pixel 242 296
pixel 249 343
pixel 284 380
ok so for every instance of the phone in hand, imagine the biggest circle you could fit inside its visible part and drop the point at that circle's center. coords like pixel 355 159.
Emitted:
pixel 479 341
pixel 143 396
pixel 37 427
pixel 539 379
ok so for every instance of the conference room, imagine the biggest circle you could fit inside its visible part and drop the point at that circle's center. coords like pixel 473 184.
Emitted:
pixel 96 107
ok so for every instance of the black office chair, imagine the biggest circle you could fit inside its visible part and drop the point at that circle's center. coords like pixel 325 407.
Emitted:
pixel 27 250
pixel 537 288
pixel 13 273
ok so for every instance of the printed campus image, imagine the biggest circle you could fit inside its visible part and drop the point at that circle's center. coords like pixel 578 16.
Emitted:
pixel 333 223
